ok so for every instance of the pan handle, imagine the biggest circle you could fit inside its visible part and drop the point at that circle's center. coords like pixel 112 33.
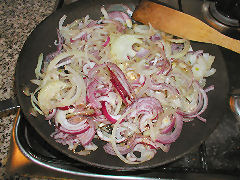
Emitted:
pixel 8 105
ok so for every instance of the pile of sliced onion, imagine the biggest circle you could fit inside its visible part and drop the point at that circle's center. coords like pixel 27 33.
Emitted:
pixel 129 85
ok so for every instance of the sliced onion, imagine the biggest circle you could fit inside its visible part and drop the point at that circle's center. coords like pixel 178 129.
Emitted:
pixel 142 53
pixel 202 104
pixel 121 17
pixel 183 52
pixel 104 136
pixel 146 141
pixel 164 86
pixel 120 82
pixel 106 42
pixel 91 88
pixel 202 119
pixel 122 148
pixel 39 66
pixel 120 7
pixel 144 105
pixel 87 67
pixel 156 37
pixel 92 79
pixel 61 21
pixel 106 114
pixel 59 45
pixel 92 74
pixel 81 129
pixel 172 137
pixel 145 87
pixel 145 151
pixel 169 127
pixel 164 147
pixel 119 26
pixel 210 88
pixel 86 137
pixel 186 80
pixel 51 114
pixel 91 24
pixel 101 119
pixel 81 36
pixel 64 108
pixel 60 118
pixel 104 12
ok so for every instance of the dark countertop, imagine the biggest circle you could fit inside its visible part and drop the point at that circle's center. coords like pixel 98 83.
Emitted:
pixel 17 20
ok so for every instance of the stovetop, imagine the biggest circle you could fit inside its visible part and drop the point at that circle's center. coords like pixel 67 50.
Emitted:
pixel 213 159
pixel 218 157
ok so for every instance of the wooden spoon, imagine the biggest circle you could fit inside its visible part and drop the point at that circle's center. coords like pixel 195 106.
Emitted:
pixel 181 25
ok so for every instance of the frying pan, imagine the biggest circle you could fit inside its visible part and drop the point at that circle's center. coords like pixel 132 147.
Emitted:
pixel 42 40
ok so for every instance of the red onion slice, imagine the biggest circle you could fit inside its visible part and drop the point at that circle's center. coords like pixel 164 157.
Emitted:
pixel 86 137
pixel 146 153
pixel 120 7
pixel 91 24
pixel 64 108
pixel 142 53
pixel 81 129
pixel 146 141
pixel 87 67
pixel 101 119
pixel 210 88
pixel 170 138
pixel 169 127
pixel 123 148
pixel 80 37
pixel 156 37
pixel 202 119
pixel 164 147
pixel 106 114
pixel 104 136
pixel 202 104
pixel 61 119
pixel 106 42
pixel 52 55
pixel 148 105
pixel 60 41
pixel 164 86
pixel 92 74
pixel 120 27
pixel 119 16
pixel 51 114
pixel 120 82
pixel 91 88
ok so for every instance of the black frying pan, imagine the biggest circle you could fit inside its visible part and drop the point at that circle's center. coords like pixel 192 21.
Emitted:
pixel 42 40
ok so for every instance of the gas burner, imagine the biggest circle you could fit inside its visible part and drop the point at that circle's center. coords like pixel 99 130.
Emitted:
pixel 220 17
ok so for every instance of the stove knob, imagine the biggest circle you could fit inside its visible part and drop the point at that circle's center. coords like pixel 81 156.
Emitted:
pixel 229 8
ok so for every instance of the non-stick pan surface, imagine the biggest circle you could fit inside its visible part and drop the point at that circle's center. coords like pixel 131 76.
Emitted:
pixel 42 40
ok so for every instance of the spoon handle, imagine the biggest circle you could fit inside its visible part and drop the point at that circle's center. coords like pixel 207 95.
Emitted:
pixel 181 25
pixel 227 42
